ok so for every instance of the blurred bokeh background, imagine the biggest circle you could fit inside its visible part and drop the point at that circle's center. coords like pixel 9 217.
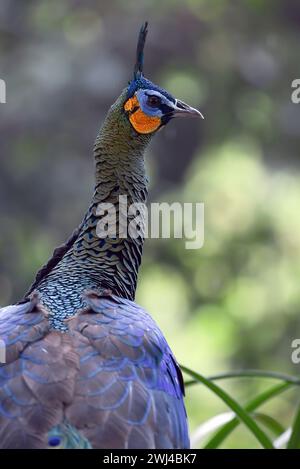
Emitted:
pixel 234 303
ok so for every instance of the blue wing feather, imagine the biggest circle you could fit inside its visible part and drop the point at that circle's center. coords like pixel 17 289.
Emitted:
pixel 111 380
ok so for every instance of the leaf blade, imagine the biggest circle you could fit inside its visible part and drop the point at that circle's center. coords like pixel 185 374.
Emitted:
pixel 242 414
pixel 294 441
pixel 256 402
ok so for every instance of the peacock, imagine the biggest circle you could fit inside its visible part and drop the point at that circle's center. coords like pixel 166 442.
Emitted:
pixel 85 366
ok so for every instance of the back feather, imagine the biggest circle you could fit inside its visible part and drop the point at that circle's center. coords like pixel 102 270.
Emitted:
pixel 111 381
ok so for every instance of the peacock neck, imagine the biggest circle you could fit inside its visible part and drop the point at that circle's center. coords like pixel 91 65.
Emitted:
pixel 112 260
pixel 119 158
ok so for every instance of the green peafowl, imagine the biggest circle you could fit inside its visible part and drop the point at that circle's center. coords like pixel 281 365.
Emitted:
pixel 86 367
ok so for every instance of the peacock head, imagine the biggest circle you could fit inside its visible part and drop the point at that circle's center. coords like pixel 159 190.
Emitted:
pixel 149 107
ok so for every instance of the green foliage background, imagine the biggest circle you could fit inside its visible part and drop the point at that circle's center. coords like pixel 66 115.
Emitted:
pixel 233 304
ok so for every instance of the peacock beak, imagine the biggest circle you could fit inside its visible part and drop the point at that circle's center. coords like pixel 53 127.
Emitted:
pixel 182 109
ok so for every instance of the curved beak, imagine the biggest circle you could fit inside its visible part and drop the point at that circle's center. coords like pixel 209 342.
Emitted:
pixel 182 109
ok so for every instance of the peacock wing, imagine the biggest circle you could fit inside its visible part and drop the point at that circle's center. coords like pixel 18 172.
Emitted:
pixel 129 389
pixel 38 377
pixel 111 381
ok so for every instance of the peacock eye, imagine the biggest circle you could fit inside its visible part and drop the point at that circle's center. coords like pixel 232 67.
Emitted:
pixel 54 441
pixel 153 101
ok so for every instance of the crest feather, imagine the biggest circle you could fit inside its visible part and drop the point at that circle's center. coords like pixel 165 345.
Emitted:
pixel 138 68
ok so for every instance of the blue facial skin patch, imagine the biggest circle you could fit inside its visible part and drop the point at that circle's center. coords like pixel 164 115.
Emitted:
pixel 165 106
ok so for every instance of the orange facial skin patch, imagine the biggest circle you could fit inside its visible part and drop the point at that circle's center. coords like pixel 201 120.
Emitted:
pixel 131 103
pixel 142 123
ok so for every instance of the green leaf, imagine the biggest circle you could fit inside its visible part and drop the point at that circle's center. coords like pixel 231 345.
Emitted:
pixel 294 441
pixel 265 396
pixel 250 374
pixel 269 422
pixel 217 422
pixel 242 414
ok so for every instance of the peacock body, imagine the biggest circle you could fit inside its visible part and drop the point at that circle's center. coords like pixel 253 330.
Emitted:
pixel 86 367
